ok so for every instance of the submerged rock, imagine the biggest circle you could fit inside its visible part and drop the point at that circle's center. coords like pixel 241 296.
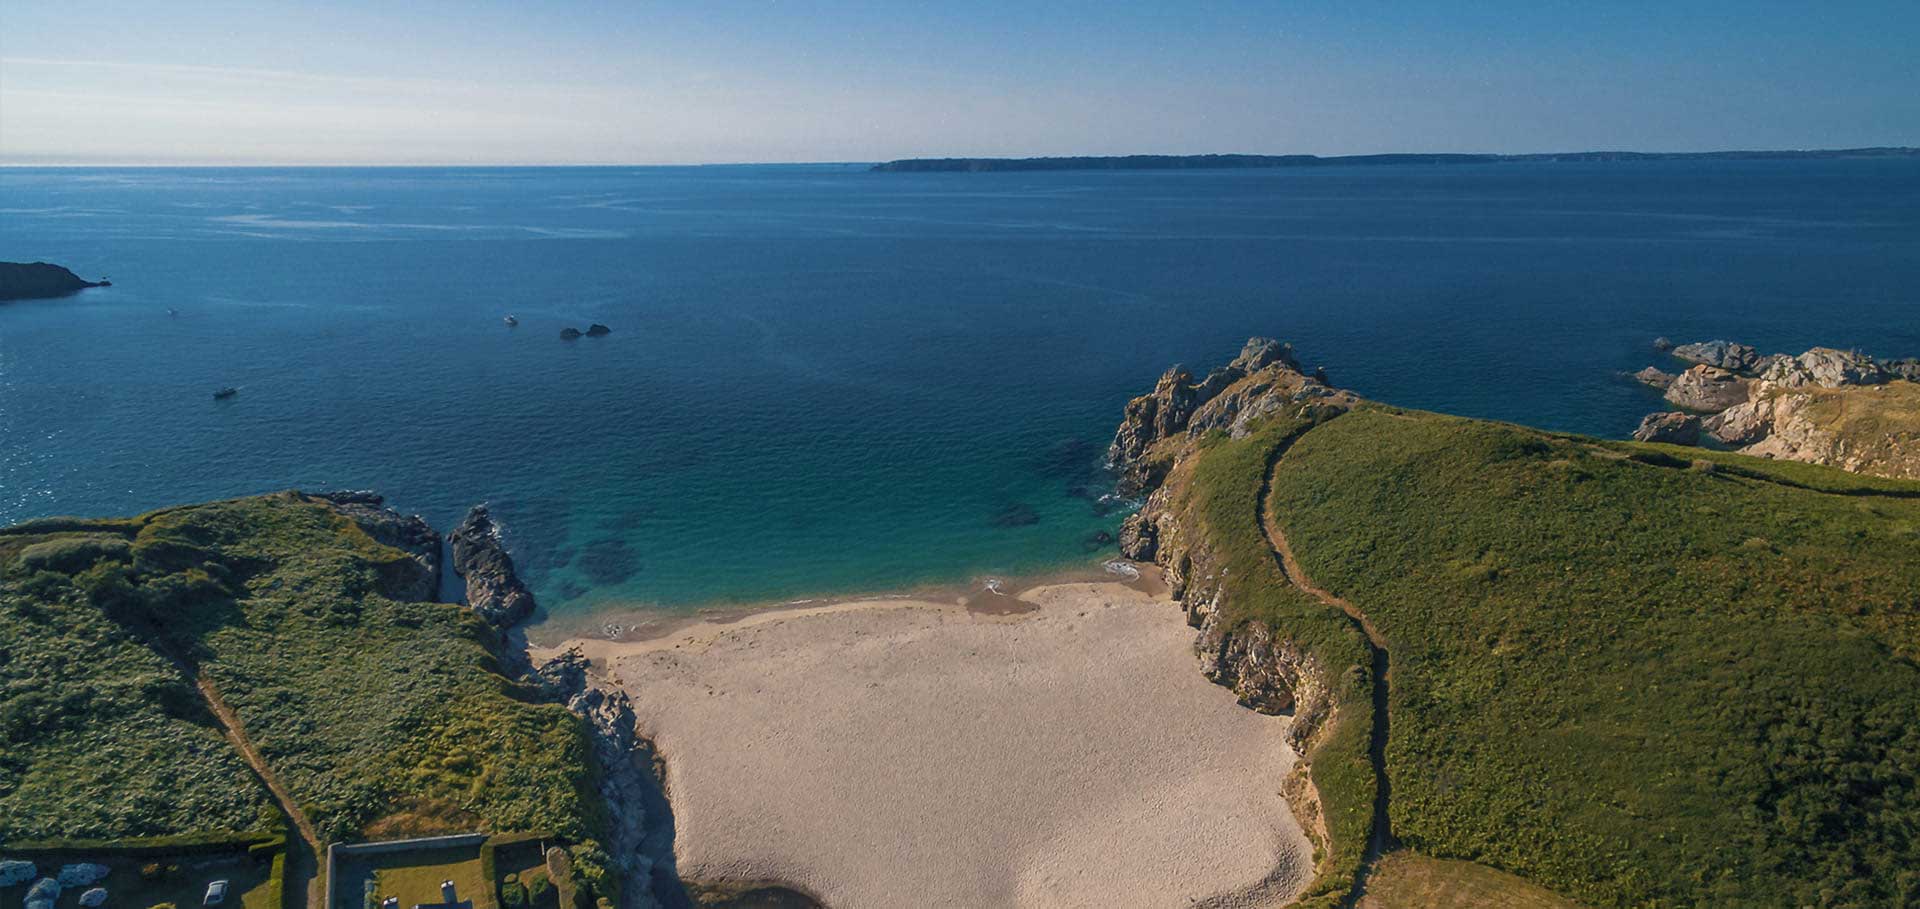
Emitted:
pixel 1675 428
pixel 1017 514
pixel 494 591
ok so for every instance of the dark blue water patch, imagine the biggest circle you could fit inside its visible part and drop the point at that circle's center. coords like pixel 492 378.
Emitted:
pixel 823 380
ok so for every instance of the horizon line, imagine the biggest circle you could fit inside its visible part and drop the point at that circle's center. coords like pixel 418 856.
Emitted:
pixel 14 165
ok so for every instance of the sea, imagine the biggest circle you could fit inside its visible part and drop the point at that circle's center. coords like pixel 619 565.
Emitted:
pixel 822 380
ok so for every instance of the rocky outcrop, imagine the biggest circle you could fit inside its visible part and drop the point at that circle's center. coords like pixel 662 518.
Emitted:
pixel 1675 428
pixel 597 330
pixel 1826 406
pixel 418 582
pixel 1720 355
pixel 1264 379
pixel 1825 367
pixel 568 334
pixel 626 760
pixel 1654 378
pixel 494 590
pixel 40 280
pixel 1707 388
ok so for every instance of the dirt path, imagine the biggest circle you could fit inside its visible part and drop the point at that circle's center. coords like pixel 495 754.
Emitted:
pixel 303 842
pixel 1382 840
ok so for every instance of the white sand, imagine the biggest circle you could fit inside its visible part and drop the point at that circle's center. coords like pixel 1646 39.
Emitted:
pixel 899 753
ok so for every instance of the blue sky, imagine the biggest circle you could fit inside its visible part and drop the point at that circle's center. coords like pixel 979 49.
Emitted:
pixel 597 81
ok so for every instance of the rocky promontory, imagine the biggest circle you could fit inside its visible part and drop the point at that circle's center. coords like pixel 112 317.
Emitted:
pixel 1834 407
pixel 40 280
pixel 494 590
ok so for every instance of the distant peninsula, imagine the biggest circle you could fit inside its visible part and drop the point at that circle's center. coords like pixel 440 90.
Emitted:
pixel 1236 162
pixel 39 280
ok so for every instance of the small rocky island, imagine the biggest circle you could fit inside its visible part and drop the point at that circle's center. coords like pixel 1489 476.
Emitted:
pixel 40 280
pixel 1833 407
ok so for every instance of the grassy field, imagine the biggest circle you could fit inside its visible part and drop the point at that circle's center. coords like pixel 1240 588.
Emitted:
pixel 1405 880
pixel 377 714
pixel 104 737
pixel 413 876
pixel 1622 675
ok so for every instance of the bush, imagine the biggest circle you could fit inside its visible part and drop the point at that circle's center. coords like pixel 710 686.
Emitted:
pixel 151 871
pixel 538 887
pixel 513 896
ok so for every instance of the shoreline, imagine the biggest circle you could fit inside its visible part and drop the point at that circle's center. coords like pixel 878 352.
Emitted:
pixel 987 594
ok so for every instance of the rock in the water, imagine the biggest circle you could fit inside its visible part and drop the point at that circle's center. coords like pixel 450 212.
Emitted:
pixel 1016 514
pixel 14 872
pixel 1707 388
pixel 494 591
pixel 1662 344
pixel 1654 378
pixel 597 330
pixel 40 280
pixel 568 334
pixel 1673 427
pixel 415 582
pixel 1827 368
pixel 1721 354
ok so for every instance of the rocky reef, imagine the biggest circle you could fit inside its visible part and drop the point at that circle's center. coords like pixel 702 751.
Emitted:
pixel 494 590
pixel 1825 406
pixel 40 280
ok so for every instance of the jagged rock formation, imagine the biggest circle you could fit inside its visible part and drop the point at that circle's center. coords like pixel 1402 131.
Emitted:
pixel 1654 378
pixel 1262 380
pixel 626 761
pixel 408 533
pixel 1834 407
pixel 493 589
pixel 40 280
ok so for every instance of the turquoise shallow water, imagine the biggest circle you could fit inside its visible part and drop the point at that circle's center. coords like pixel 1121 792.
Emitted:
pixel 825 380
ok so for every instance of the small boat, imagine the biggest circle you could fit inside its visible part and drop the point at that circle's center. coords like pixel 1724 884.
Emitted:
pixel 225 393
pixel 511 321
pixel 173 312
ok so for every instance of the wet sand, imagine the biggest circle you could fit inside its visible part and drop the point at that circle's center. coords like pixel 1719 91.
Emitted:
pixel 1055 747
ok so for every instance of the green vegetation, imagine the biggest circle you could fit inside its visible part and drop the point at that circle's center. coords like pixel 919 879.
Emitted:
pixel 413 876
pixel 1222 503
pixel 1637 675
pixel 1405 880
pixel 379 715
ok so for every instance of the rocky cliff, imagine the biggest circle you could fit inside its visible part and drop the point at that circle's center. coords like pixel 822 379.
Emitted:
pixel 494 590
pixel 408 533
pixel 1832 407
pixel 1149 450
pixel 38 280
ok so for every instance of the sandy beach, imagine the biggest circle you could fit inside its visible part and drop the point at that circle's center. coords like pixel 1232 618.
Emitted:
pixel 908 752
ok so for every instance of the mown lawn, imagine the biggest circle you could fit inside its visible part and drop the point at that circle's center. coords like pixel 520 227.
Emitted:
pixel 1407 880
pixel 1624 676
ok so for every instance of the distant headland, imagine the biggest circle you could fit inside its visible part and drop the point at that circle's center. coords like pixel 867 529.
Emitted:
pixel 1222 162
pixel 38 280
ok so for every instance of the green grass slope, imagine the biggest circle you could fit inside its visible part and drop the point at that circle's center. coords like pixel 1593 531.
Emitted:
pixel 378 715
pixel 104 739
pixel 1625 676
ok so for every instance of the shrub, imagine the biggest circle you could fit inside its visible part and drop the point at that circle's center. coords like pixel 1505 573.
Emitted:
pixel 513 895
pixel 151 871
pixel 538 887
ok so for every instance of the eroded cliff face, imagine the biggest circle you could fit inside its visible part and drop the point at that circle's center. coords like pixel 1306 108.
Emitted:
pixel 1151 450
pixel 418 581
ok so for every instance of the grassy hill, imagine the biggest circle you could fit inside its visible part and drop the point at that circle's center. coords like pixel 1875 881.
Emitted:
pixel 1629 676
pixel 378 715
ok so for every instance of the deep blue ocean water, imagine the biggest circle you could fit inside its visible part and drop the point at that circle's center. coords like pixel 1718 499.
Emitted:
pixel 825 380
